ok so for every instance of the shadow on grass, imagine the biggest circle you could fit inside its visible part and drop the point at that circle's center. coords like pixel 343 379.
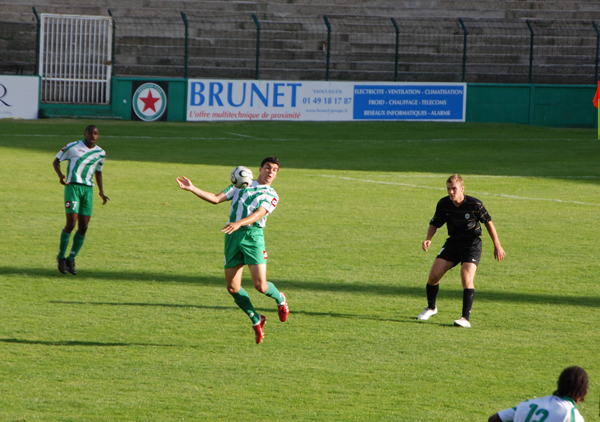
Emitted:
pixel 165 305
pixel 359 146
pixel 80 343
pixel 235 308
pixel 338 288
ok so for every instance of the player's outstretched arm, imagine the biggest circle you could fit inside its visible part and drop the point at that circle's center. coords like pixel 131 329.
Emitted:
pixel 499 253
pixel 252 218
pixel 61 176
pixel 186 184
pixel 430 232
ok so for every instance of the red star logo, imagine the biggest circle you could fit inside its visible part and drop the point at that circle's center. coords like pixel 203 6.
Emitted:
pixel 149 101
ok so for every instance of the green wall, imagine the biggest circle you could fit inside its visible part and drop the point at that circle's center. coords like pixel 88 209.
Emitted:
pixel 121 97
pixel 540 105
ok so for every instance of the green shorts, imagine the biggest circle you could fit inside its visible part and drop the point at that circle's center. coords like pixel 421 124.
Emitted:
pixel 78 199
pixel 245 246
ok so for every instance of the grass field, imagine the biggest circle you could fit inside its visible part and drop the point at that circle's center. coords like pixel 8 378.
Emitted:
pixel 147 332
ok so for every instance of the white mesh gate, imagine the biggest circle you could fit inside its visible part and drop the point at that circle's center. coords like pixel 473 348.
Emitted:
pixel 75 58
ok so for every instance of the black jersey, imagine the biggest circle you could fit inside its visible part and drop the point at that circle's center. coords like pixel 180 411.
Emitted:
pixel 463 222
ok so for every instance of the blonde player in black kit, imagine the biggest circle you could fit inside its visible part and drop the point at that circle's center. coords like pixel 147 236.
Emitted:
pixel 462 214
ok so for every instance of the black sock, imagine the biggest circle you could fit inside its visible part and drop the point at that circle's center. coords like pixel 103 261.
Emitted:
pixel 432 291
pixel 468 295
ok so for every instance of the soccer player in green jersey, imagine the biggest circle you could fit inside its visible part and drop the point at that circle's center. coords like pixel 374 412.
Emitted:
pixel 85 160
pixel 244 240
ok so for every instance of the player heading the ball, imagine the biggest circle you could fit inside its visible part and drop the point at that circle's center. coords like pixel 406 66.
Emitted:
pixel 244 238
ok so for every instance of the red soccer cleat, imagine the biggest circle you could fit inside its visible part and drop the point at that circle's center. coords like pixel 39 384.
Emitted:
pixel 258 329
pixel 283 309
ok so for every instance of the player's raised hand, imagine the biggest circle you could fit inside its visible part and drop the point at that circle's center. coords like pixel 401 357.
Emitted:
pixel 185 183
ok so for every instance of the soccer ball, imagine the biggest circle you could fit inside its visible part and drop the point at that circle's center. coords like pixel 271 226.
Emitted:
pixel 241 177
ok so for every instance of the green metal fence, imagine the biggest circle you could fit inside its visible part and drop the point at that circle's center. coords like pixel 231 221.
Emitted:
pixel 242 45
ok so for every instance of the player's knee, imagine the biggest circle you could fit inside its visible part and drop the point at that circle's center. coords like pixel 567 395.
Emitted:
pixel 261 287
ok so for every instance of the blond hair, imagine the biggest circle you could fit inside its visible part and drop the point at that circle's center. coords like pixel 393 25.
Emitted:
pixel 456 178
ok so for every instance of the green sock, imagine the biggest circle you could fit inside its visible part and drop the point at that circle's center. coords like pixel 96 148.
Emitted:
pixel 274 293
pixel 64 243
pixel 242 300
pixel 77 244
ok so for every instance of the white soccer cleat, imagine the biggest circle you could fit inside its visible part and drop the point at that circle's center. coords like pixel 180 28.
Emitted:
pixel 424 316
pixel 462 323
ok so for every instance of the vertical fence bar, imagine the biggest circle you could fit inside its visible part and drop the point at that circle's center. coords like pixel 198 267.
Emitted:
pixel 257 72
pixel 61 49
pixel 397 49
pixel 328 46
pixel 185 58
pixel 597 49
pixel 51 91
pixel 37 41
pixel 88 41
pixel 105 52
pixel 70 64
pixel 530 51
pixel 464 59
pixel 101 59
pixel 84 68
pixel 96 61
pixel 79 52
pixel 114 29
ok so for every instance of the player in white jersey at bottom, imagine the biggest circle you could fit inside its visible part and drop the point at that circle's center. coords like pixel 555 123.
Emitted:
pixel 244 239
pixel 561 406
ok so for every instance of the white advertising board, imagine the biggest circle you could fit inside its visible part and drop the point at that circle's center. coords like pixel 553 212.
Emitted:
pixel 19 97
pixel 212 99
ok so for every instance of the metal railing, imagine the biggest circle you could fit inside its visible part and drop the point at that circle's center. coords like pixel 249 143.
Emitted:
pixel 334 47
pixel 74 58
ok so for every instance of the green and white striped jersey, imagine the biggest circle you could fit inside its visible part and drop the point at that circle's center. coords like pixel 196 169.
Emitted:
pixel 245 202
pixel 547 409
pixel 83 162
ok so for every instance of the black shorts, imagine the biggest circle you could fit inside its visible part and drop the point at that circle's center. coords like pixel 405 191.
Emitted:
pixel 456 252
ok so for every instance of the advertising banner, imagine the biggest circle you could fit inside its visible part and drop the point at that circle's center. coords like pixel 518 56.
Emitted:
pixel 211 99
pixel 19 97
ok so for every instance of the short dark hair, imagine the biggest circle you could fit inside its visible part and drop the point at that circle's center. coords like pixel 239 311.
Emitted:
pixel 573 382
pixel 90 128
pixel 272 160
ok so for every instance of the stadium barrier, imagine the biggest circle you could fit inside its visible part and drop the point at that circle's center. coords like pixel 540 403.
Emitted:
pixel 334 47
pixel 543 105
pixel 517 71
pixel 357 48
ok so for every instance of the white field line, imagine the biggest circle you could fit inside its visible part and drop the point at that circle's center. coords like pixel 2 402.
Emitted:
pixel 301 140
pixel 474 192
pixel 243 136
pixel 483 176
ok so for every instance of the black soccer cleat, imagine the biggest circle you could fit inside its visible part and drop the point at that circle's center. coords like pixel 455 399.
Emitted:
pixel 70 266
pixel 62 265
